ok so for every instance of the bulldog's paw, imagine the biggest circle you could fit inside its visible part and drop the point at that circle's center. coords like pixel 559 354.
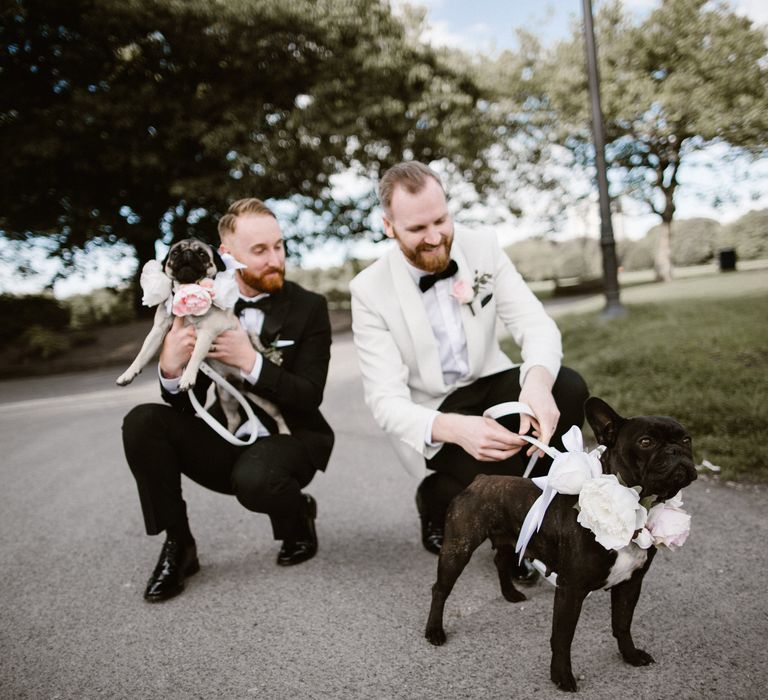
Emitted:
pixel 435 636
pixel 511 594
pixel 638 657
pixel 562 678
pixel 125 378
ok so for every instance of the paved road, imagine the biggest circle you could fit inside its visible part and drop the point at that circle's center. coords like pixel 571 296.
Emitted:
pixel 348 624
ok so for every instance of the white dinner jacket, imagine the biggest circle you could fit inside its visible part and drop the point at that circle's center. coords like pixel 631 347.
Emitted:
pixel 396 347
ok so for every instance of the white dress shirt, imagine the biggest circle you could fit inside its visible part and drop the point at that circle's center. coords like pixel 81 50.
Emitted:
pixel 444 314
pixel 252 320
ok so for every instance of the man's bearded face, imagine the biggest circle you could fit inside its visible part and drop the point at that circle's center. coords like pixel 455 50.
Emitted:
pixel 422 226
pixel 258 243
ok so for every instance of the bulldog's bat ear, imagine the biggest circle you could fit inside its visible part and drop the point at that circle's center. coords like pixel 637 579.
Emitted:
pixel 220 266
pixel 605 422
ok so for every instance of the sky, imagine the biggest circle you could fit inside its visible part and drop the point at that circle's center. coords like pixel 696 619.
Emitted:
pixel 488 26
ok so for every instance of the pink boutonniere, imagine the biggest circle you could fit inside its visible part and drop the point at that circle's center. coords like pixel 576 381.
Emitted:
pixel 462 292
pixel 465 294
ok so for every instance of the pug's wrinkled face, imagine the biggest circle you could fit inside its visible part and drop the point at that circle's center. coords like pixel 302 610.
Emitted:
pixel 189 261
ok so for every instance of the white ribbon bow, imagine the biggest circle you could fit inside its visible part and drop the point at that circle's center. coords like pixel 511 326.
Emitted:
pixel 567 474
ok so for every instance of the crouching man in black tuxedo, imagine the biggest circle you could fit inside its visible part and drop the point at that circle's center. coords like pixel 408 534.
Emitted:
pixel 162 442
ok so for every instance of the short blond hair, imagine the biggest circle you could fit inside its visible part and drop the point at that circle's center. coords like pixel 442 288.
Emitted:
pixel 410 175
pixel 249 205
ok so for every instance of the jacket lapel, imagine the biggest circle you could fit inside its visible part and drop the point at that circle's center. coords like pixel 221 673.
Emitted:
pixel 415 315
pixel 473 327
pixel 273 321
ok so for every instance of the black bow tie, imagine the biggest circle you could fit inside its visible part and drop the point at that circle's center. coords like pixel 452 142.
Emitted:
pixel 428 281
pixel 264 304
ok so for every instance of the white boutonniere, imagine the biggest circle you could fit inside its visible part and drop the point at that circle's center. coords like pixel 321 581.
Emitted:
pixel 274 351
pixel 465 294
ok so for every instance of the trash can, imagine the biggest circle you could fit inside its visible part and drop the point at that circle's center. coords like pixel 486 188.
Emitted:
pixel 727 259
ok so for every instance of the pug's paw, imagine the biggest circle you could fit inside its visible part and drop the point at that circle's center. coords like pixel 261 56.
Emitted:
pixel 126 378
pixel 186 383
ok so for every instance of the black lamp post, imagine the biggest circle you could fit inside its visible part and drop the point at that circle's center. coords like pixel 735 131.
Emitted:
pixel 613 306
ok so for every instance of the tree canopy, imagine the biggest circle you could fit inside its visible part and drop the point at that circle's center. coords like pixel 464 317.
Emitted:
pixel 690 75
pixel 136 120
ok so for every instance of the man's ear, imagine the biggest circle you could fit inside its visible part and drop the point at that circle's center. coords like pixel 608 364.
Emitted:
pixel 388 228
pixel 605 422
pixel 220 266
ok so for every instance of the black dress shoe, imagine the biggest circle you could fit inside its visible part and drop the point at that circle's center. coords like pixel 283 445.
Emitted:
pixel 304 545
pixel 176 562
pixel 525 573
pixel 431 532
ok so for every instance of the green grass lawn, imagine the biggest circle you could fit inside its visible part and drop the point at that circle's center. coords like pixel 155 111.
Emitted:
pixel 702 361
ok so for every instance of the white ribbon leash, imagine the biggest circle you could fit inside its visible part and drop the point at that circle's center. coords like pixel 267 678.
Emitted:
pixel 535 515
pixel 509 407
pixel 208 371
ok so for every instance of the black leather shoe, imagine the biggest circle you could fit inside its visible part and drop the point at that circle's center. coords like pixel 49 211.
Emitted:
pixel 176 562
pixel 303 547
pixel 431 532
pixel 525 573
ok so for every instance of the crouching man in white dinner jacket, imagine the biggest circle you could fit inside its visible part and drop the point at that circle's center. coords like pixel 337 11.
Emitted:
pixel 424 320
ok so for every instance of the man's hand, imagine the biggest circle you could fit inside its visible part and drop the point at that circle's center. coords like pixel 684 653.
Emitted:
pixel 537 393
pixel 483 438
pixel 177 348
pixel 234 348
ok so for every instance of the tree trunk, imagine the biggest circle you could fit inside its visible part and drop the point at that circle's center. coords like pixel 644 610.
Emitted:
pixel 662 260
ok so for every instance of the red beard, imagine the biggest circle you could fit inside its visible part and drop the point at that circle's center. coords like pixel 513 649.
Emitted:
pixel 269 281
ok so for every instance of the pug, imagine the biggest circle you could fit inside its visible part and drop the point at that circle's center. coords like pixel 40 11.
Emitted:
pixel 192 261
pixel 189 261
pixel 650 452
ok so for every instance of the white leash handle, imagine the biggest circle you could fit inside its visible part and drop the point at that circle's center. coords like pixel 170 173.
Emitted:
pixel 509 407
pixel 531 522
pixel 208 371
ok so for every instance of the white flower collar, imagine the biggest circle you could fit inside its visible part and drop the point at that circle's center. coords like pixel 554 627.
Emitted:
pixel 610 509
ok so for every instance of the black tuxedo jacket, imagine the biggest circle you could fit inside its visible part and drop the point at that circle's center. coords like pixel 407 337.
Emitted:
pixel 296 385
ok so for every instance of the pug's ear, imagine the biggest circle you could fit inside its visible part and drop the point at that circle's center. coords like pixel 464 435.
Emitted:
pixel 220 266
pixel 605 422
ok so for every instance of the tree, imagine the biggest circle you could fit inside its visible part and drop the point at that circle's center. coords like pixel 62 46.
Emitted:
pixel 692 74
pixel 140 120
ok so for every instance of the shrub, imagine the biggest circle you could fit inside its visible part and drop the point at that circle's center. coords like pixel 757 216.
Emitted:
pixel 40 343
pixel 102 307
pixel 20 313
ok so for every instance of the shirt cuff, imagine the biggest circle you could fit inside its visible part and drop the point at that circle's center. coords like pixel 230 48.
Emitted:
pixel 428 432
pixel 170 385
pixel 253 375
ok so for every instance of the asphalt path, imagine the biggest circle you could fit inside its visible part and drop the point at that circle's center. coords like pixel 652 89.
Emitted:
pixel 347 624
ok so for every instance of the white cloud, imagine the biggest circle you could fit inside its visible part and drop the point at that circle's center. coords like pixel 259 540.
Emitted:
pixel 439 34
pixel 756 10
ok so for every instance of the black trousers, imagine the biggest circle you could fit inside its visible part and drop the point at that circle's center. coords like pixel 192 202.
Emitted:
pixel 162 443
pixel 454 469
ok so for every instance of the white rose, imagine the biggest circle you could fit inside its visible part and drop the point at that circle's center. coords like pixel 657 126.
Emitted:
pixel 610 510
pixel 155 284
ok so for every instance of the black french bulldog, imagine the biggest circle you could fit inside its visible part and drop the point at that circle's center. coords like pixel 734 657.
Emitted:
pixel 653 452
